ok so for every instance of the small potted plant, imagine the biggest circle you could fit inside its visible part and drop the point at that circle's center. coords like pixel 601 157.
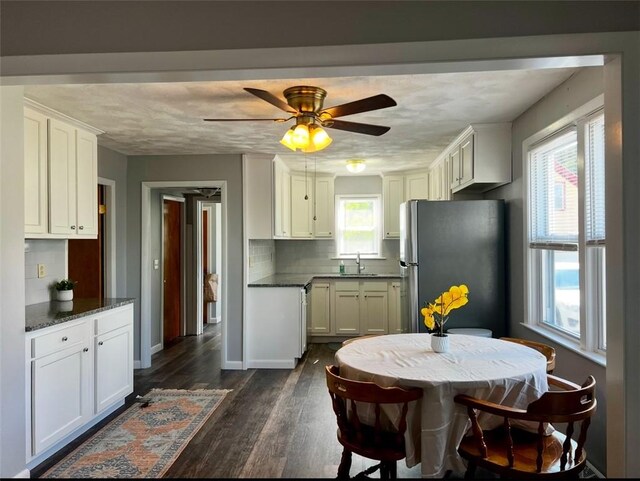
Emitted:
pixel 437 314
pixel 64 289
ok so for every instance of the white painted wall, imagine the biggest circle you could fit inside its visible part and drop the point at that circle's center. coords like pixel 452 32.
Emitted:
pixel 12 286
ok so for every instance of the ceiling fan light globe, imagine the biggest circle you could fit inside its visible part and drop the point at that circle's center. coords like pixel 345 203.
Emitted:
pixel 320 139
pixel 287 140
pixel 300 136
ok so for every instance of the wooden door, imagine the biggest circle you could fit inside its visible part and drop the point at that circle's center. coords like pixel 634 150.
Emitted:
pixel 205 261
pixel 172 268
pixel 86 258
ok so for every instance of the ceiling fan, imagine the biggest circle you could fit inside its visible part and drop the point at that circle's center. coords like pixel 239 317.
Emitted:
pixel 305 105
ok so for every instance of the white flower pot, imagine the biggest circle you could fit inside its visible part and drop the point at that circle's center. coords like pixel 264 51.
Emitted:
pixel 64 295
pixel 439 344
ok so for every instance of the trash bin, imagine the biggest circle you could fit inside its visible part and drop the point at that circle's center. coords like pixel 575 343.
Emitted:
pixel 471 331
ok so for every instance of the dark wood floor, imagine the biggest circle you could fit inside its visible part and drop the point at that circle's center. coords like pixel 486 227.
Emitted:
pixel 275 423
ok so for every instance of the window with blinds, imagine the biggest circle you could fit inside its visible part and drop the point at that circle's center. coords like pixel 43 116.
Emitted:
pixel 358 225
pixel 566 261
pixel 553 188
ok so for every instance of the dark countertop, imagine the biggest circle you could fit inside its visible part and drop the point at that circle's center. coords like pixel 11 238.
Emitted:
pixel 301 280
pixel 46 314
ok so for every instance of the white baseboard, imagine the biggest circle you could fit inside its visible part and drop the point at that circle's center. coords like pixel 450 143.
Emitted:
pixel 137 364
pixel 25 473
pixel 157 348
pixel 271 364
pixel 214 320
pixel 232 365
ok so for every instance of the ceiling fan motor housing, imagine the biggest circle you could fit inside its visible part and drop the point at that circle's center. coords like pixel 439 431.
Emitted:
pixel 305 98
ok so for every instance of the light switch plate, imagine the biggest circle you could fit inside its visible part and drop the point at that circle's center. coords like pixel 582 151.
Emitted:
pixel 42 270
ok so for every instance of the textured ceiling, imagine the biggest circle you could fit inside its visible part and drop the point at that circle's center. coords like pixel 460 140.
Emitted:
pixel 166 118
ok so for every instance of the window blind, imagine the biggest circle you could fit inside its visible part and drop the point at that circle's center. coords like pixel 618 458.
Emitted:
pixel 553 186
pixel 594 191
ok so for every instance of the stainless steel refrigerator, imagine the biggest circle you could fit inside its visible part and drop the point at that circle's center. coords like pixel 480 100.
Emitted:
pixel 445 243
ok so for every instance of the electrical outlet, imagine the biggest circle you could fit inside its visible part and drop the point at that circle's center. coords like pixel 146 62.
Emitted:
pixel 42 270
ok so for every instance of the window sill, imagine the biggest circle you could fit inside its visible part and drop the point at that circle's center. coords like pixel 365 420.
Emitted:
pixel 595 357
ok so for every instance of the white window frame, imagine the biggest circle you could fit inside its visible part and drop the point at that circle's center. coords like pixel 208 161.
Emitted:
pixel 378 228
pixel 590 328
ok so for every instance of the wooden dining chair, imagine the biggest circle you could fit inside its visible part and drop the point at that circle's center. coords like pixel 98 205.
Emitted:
pixel 548 351
pixel 371 441
pixel 512 452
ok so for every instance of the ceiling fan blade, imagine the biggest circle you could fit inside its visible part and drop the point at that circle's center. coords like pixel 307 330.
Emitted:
pixel 376 102
pixel 357 127
pixel 243 120
pixel 272 99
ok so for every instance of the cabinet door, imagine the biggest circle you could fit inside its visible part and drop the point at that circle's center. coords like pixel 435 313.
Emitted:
pixel 282 201
pixel 60 395
pixel 417 186
pixel 393 191
pixel 87 183
pixel 35 173
pixel 114 367
pixel 324 207
pixel 454 168
pixel 374 312
pixel 286 204
pixel 347 312
pixel 466 160
pixel 394 308
pixel 320 309
pixel 62 178
pixel 301 208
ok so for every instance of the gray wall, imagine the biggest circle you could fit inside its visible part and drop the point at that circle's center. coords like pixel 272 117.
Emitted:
pixel 180 168
pixel 112 165
pixel 568 96
pixel 12 334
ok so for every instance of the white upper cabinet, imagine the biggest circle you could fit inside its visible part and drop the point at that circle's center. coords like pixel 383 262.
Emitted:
pixel 61 176
pixel 35 173
pixel 417 186
pixel 480 158
pixel 257 171
pixel 301 206
pixel 393 196
pixel 282 199
pixel 324 203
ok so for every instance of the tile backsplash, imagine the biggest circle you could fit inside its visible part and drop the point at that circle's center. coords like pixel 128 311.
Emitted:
pixel 262 259
pixel 318 257
pixel 53 254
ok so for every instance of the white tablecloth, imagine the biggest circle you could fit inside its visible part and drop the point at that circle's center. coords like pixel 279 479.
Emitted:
pixel 490 369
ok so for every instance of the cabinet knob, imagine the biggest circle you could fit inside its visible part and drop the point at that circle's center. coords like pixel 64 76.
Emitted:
pixel 73 227
pixel 100 343
pixel 86 349
pixel 65 338
pixel 81 227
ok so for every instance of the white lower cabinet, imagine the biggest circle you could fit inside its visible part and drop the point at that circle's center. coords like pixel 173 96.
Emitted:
pixel 356 307
pixel 276 327
pixel 61 393
pixel 78 370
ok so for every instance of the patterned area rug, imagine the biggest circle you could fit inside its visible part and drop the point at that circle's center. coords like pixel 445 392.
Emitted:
pixel 142 442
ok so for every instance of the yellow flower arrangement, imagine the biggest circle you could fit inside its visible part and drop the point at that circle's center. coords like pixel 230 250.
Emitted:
pixel 437 314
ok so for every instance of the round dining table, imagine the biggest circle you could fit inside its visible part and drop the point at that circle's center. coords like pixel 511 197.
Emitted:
pixel 487 368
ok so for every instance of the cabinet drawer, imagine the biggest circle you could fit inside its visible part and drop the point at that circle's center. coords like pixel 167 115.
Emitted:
pixel 347 286
pixel 375 286
pixel 61 339
pixel 113 319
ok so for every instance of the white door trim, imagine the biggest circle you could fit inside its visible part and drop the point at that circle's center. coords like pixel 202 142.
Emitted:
pixel 110 239
pixel 146 265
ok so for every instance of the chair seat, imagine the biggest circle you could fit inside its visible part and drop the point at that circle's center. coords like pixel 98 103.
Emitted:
pixel 387 449
pixel 525 453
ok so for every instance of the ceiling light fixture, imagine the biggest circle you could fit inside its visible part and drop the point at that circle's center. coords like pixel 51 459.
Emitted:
pixel 306 136
pixel 355 165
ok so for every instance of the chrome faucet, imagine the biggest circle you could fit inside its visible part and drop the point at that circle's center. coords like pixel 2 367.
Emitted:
pixel 359 265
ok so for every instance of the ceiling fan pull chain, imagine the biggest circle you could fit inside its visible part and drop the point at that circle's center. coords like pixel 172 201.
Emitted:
pixel 315 173
pixel 306 197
